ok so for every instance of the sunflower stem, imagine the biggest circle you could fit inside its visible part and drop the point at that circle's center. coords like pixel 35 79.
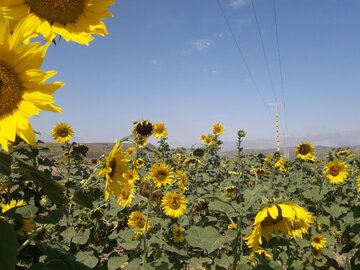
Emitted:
pixel 146 225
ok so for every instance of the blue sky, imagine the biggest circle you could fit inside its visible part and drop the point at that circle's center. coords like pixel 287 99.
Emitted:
pixel 176 62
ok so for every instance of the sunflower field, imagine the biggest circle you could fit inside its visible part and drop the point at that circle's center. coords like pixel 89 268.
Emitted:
pixel 152 206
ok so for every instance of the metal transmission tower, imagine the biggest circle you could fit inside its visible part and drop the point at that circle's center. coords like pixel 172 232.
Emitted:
pixel 277 129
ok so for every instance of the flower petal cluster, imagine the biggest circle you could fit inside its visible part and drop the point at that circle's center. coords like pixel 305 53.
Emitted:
pixel 174 204
pixel 282 217
pixel 336 171
pixel 305 151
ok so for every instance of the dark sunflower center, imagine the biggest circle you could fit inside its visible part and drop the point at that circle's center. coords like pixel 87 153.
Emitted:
pixel 141 223
pixel 316 240
pixel 112 165
pixel 125 194
pixel 334 171
pixel 161 175
pixel 11 90
pixel 177 233
pixel 57 11
pixel 144 128
pixel 63 132
pixel 304 149
pixel 175 204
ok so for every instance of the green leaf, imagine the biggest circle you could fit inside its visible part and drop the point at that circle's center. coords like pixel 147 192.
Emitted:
pixel 116 262
pixel 5 163
pixel 88 258
pixel 134 264
pixel 53 217
pixel 251 196
pixel 52 189
pixel 81 238
pixel 207 238
pixel 8 246
pixel 68 234
pixel 324 220
pixel 26 211
pixel 130 245
pixel 82 199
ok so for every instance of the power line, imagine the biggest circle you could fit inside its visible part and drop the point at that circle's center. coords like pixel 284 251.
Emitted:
pixel 239 50
pixel 279 56
pixel 263 48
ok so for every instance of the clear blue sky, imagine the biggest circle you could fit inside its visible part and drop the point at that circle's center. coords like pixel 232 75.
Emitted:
pixel 176 62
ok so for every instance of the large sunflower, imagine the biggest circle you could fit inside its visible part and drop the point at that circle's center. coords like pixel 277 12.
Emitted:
pixel 74 20
pixel 161 174
pixel 115 167
pixel 174 204
pixel 305 151
pixel 285 217
pixel 23 92
pixel 138 220
pixel 62 132
pixel 336 171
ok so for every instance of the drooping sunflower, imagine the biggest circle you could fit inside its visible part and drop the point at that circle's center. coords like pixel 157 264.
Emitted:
pixel 62 132
pixel 282 217
pixel 182 179
pixel 316 253
pixel 217 129
pixel 141 141
pixel 178 234
pixel 263 253
pixel 174 204
pixel 336 171
pixel 23 92
pixel 127 194
pixel 305 151
pixel 160 130
pixel 318 241
pixel 259 172
pixel 161 174
pixel 74 20
pixel 143 128
pixel 113 171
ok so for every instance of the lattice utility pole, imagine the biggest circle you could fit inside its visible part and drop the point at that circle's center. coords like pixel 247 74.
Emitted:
pixel 277 129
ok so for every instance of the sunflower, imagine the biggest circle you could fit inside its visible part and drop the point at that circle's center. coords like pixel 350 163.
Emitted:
pixel 74 20
pixel 24 226
pixel 230 191
pixel 318 241
pixel 62 132
pixel 232 226
pixel 23 92
pixel 138 220
pixel 316 253
pixel 139 163
pixel 217 129
pixel 208 141
pixel 143 128
pixel 285 217
pixel 131 150
pixel 174 204
pixel 336 171
pixel 182 179
pixel 113 172
pixel 263 253
pixel 13 203
pixel 141 141
pixel 178 234
pixel 258 171
pixel 162 174
pixel 305 151
pixel 127 194
pixel 131 176
pixel 160 130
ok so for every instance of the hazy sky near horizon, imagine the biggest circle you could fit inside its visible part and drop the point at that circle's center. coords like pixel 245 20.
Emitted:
pixel 176 62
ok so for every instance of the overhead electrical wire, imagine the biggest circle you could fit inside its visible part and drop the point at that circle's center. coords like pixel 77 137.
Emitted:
pixel 263 49
pixel 240 51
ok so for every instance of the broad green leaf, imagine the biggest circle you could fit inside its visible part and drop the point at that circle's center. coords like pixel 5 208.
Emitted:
pixel 82 199
pixel 8 246
pixel 116 262
pixel 52 217
pixel 129 245
pixel 52 189
pixel 207 238
pixel 88 258
pixel 81 237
